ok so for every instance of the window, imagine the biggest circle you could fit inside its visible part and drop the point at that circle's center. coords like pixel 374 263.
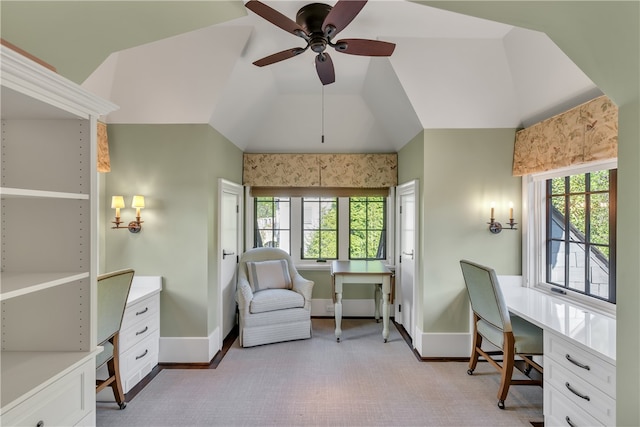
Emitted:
pixel 367 228
pixel 581 233
pixel 569 239
pixel 272 224
pixel 320 228
pixel 315 229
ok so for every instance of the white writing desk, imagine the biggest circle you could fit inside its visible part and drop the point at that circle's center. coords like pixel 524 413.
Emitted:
pixel 579 357
pixel 594 332
pixel 365 272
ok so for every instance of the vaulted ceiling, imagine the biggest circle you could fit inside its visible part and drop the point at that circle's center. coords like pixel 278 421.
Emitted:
pixel 191 62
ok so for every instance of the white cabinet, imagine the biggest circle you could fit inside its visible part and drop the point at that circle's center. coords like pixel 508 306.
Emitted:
pixel 579 385
pixel 47 238
pixel 139 334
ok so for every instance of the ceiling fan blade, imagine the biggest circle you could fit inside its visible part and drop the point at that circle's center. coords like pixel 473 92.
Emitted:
pixel 275 17
pixel 324 67
pixel 280 56
pixel 341 15
pixel 365 47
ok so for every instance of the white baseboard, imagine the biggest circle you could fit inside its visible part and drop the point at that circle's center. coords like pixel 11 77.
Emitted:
pixel 189 349
pixel 443 344
pixel 350 308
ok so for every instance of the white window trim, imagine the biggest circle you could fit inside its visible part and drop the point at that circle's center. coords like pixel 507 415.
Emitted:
pixel 343 231
pixel 534 234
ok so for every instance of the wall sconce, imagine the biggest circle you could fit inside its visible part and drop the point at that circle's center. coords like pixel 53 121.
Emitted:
pixel 495 227
pixel 117 202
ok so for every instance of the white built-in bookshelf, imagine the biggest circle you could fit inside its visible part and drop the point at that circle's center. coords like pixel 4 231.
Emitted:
pixel 48 234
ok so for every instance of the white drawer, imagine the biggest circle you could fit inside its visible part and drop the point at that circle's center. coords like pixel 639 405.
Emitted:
pixel 138 332
pixel 582 363
pixel 144 309
pixel 579 392
pixel 66 402
pixel 139 360
pixel 560 411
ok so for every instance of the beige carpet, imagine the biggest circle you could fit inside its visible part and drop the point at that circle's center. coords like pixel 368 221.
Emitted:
pixel 360 381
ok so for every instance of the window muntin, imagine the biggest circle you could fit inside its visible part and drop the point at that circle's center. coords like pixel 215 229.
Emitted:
pixel 580 233
pixel 272 222
pixel 367 231
pixel 319 228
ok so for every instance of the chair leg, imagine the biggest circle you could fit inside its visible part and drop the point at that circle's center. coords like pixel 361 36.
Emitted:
pixel 114 371
pixel 508 362
pixel 477 343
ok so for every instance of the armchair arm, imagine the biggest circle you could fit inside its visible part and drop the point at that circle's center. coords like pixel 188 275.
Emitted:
pixel 303 287
pixel 244 294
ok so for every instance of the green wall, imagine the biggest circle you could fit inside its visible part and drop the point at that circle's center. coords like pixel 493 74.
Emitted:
pixel 464 171
pixel 176 168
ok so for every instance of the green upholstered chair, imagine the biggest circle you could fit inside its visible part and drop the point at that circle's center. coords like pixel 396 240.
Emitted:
pixel 509 333
pixel 113 290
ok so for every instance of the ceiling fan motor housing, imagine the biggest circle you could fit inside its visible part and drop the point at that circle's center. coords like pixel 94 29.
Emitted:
pixel 310 18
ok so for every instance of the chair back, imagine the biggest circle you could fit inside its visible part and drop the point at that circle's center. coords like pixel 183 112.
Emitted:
pixel 264 254
pixel 485 295
pixel 113 290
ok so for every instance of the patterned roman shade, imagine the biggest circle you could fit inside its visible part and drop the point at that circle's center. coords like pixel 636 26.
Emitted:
pixel 287 173
pixel 586 133
pixel 104 162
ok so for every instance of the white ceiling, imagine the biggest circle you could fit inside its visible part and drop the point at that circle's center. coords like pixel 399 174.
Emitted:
pixel 448 71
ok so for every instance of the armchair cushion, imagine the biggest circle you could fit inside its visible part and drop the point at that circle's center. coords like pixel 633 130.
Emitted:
pixel 272 274
pixel 275 299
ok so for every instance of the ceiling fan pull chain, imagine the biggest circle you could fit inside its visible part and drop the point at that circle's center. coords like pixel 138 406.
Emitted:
pixel 323 114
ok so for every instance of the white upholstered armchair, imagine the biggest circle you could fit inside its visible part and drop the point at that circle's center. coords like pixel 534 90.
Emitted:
pixel 274 300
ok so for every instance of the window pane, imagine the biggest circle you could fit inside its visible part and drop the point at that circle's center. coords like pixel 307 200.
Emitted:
pixel 555 259
pixel 599 273
pixel 367 228
pixel 600 218
pixel 600 181
pixel 558 186
pixel 272 217
pixel 577 258
pixel 577 217
pixel 320 228
pixel 577 183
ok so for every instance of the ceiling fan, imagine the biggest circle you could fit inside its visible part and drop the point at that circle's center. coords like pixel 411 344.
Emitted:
pixel 318 24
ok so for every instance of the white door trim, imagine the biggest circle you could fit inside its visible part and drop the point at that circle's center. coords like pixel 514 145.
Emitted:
pixel 225 186
pixel 408 188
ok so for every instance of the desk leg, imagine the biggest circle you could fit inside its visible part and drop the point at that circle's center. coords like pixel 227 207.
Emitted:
pixel 376 298
pixel 338 315
pixel 385 316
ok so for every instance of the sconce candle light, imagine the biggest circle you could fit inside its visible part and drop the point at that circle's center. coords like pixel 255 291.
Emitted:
pixel 117 202
pixel 494 226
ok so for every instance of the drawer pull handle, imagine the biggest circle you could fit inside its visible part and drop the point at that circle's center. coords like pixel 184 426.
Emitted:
pixel 40 424
pixel 138 313
pixel 571 389
pixel 568 420
pixel 146 328
pixel 142 355
pixel 578 364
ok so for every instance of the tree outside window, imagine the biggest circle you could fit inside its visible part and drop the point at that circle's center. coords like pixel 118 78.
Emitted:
pixel 367 233
pixel 320 228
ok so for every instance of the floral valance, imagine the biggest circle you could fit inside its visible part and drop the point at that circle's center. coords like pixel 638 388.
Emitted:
pixel 583 134
pixel 321 170
pixel 104 162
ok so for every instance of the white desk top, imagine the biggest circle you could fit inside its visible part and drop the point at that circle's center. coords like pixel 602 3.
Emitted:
pixel 143 286
pixel 593 331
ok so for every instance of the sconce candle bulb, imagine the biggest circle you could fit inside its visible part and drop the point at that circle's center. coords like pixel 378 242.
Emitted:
pixel 494 226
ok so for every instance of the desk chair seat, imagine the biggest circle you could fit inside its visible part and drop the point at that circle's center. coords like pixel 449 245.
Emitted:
pixel 512 335
pixel 113 291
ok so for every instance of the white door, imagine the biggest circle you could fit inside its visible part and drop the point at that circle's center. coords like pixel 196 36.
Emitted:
pixel 407 267
pixel 230 243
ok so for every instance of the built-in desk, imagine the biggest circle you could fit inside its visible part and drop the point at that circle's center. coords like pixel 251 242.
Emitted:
pixel 579 357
